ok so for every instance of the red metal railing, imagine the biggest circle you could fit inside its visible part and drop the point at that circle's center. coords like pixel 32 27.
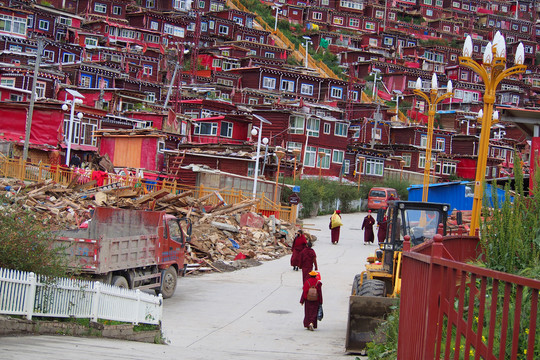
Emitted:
pixel 453 310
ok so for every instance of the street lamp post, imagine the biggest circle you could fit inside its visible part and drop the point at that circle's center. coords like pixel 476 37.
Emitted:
pixel 308 41
pixel 77 99
pixel 492 70
pixel 375 72
pixel 399 95
pixel 258 131
pixel 322 155
pixel 295 152
pixel 276 7
pixel 402 163
pixel 279 154
pixel 433 99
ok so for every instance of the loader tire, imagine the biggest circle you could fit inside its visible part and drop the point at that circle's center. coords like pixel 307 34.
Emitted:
pixel 372 287
pixel 357 282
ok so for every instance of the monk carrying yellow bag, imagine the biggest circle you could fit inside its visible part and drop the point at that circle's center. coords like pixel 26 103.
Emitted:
pixel 335 221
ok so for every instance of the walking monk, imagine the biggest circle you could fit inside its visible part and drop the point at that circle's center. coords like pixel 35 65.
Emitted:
pixel 311 302
pixel 299 244
pixel 308 259
pixel 383 226
pixel 367 226
pixel 335 225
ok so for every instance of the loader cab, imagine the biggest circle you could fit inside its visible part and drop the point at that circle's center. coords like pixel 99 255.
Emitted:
pixel 419 220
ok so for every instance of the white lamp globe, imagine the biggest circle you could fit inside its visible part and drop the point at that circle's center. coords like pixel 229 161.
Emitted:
pixel 265 141
pixel 64 107
pixel 80 116
pixel 254 132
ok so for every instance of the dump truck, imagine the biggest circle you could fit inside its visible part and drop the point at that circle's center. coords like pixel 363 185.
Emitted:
pixel 133 249
pixel 375 290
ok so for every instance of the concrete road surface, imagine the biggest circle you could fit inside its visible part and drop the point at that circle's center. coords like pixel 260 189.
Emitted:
pixel 252 313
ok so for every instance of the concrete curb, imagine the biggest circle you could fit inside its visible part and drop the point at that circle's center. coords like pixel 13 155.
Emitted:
pixel 13 326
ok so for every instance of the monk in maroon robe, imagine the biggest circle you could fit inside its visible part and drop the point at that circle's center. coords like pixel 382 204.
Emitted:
pixel 334 231
pixel 367 226
pixel 308 259
pixel 299 244
pixel 311 308
pixel 383 226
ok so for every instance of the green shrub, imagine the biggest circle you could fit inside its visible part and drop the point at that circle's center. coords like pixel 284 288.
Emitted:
pixel 26 244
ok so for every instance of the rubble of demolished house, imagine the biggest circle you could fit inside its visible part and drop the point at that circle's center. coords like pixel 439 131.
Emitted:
pixel 224 238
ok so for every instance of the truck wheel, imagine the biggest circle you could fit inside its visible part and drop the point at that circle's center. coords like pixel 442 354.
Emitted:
pixel 372 287
pixel 120 281
pixel 168 282
pixel 356 284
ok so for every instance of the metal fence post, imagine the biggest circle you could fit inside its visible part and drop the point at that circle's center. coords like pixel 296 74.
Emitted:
pixel 95 301
pixel 30 295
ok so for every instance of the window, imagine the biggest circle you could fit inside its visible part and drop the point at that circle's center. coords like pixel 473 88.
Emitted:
pixel 312 127
pixel 337 156
pixel 370 25
pixel 373 42
pixel 326 128
pixel 216 63
pixel 68 58
pixel 270 55
pixel 524 29
pixel 374 167
pixel 439 3
pixel 224 30
pixel 89 41
pixel 317 15
pixel 336 92
pixel 211 24
pixel 86 81
pixel 354 23
pixel 64 21
pixel 269 83
pixel 15 97
pixel 226 129
pixel 14 24
pixel 428 2
pixel 16 48
pixel 456 4
pixel 376 133
pixel 40 89
pixel 407 159
pixel 346 167
pixel 388 41
pixel 9 82
pixel 465 7
pixel 422 160
pixel 147 69
pixel 310 156
pixel 446 28
pixel 287 85
pixel 291 145
pixel 43 25
pixel 464 76
pixel 338 20
pixel 306 89
pixel 100 8
pixel 423 141
pixel 296 124
pixel 353 95
pixel 150 97
pixel 325 2
pixel 448 168
pixel 117 10
pixel 201 5
pixel 515 27
pixel 340 129
pixel 439 144
pixel 206 128
pixel 324 161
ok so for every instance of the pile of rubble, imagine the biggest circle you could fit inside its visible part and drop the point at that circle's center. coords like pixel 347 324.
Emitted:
pixel 222 234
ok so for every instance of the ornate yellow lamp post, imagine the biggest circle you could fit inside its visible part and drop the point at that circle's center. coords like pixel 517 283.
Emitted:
pixel 279 154
pixel 492 70
pixel 359 170
pixel 295 152
pixel 432 100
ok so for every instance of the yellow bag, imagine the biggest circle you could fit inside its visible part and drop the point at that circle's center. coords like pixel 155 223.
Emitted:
pixel 336 220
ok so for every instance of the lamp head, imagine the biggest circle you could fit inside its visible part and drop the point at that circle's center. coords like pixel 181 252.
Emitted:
pixel 78 101
pixel 254 132
pixel 418 85
pixel 467 47
pixel 265 141
pixel 80 115
pixel 495 115
pixel 449 87
pixel 520 55
pixel 500 45
pixel 488 53
pixel 64 107
pixel 434 82
pixel 480 114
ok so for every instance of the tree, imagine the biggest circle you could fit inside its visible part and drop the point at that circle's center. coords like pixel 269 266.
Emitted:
pixel 26 244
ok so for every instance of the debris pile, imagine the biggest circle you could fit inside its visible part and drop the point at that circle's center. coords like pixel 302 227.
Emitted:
pixel 222 233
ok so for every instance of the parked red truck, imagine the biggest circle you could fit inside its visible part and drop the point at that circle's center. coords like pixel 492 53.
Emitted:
pixel 134 249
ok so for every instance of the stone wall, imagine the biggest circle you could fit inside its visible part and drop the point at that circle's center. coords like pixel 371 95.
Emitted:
pixel 14 326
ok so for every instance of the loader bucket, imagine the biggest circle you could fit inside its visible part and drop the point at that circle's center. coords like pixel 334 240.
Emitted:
pixel 366 313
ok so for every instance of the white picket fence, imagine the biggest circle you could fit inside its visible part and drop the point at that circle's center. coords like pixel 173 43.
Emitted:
pixel 24 293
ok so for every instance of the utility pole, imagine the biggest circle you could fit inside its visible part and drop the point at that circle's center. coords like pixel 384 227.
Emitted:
pixel 32 99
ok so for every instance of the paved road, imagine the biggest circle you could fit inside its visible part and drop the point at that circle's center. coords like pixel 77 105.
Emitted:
pixel 252 313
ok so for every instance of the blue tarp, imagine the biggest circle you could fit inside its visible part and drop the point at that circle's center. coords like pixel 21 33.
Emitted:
pixel 458 194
